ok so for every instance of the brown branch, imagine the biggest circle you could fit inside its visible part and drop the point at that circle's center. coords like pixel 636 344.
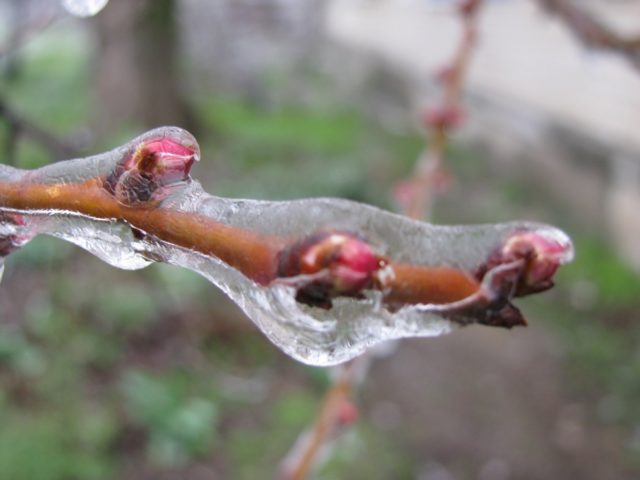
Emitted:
pixel 592 32
pixel 254 255
pixel 301 460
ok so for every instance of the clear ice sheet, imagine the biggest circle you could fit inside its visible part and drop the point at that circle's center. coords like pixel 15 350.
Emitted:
pixel 311 335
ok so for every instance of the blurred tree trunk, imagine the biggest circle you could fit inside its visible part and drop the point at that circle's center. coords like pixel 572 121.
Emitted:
pixel 136 69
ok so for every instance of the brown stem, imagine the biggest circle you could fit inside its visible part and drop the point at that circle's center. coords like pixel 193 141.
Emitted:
pixel 323 426
pixel 299 463
pixel 253 254
pixel 444 285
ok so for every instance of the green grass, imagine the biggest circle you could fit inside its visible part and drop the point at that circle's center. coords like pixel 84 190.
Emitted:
pixel 287 128
pixel 615 283
pixel 179 414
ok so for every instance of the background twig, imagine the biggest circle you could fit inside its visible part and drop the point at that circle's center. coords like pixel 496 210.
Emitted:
pixel 592 32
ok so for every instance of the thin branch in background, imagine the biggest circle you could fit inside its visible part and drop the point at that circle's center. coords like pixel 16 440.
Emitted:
pixel 416 194
pixel 592 32
pixel 336 414
pixel 428 174
pixel 18 126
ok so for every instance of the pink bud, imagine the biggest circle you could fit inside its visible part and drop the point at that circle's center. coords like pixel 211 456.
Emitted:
pixel 403 193
pixel 540 255
pixel 156 163
pixel 347 414
pixel 166 161
pixel 443 117
pixel 334 263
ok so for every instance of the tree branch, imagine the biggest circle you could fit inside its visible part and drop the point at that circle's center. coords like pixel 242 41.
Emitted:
pixel 440 120
pixel 321 266
pixel 592 32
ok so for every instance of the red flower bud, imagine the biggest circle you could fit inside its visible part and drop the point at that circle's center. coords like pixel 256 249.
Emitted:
pixel 540 256
pixel 155 164
pixel 347 414
pixel 330 264
pixel 443 117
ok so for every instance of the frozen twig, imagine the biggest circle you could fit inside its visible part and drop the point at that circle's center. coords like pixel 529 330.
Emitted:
pixel 324 279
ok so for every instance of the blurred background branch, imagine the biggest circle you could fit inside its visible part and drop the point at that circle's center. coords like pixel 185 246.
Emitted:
pixel 416 201
pixel 593 32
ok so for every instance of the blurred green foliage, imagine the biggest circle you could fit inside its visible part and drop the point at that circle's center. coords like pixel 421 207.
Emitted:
pixel 181 423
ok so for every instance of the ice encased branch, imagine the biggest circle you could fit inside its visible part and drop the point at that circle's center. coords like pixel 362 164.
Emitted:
pixel 311 335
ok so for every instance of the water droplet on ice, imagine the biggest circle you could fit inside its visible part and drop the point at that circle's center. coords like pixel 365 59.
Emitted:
pixel 84 8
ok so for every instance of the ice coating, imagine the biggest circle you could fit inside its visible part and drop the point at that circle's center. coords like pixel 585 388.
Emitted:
pixel 317 336
pixel 84 8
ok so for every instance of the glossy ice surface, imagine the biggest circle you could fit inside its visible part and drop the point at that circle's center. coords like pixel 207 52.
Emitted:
pixel 309 334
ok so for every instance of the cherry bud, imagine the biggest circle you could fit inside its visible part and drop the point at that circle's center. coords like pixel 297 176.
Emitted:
pixel 540 255
pixel 443 117
pixel 151 169
pixel 330 264
pixel 347 413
